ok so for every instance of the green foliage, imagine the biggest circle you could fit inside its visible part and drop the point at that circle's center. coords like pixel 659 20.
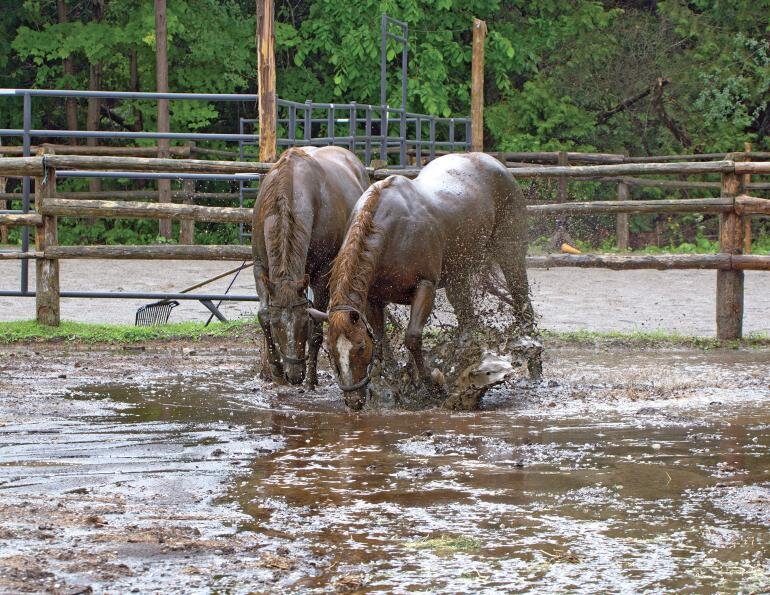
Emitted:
pixel 558 75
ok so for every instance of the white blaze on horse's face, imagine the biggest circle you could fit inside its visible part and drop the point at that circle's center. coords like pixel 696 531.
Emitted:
pixel 344 347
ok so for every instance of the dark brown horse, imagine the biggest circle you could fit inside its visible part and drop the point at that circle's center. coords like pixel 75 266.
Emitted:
pixel 406 239
pixel 300 218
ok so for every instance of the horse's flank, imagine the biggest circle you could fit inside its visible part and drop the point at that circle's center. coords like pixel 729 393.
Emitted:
pixel 354 267
pixel 287 244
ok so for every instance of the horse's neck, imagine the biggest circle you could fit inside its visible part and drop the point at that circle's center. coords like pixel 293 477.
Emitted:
pixel 293 233
pixel 361 277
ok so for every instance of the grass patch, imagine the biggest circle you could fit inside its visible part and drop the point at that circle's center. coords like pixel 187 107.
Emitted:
pixel 446 543
pixel 652 339
pixel 31 331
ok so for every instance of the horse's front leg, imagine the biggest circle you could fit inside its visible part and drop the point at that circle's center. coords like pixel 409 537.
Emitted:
pixel 272 369
pixel 321 299
pixel 422 305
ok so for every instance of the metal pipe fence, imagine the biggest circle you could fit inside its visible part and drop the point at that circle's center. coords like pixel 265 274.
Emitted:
pixel 363 128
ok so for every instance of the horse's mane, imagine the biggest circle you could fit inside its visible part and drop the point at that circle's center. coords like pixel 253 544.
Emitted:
pixel 353 268
pixel 286 245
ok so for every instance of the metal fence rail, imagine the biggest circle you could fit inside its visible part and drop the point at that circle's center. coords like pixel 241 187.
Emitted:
pixel 363 128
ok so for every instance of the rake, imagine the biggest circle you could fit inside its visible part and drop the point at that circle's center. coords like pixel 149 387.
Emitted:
pixel 158 313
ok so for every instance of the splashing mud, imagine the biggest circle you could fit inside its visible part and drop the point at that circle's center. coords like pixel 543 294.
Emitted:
pixel 466 362
pixel 625 471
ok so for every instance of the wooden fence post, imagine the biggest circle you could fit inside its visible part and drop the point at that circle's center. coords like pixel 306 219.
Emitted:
pixel 477 85
pixel 3 206
pixel 46 236
pixel 746 179
pixel 561 235
pixel 187 226
pixel 621 226
pixel 730 282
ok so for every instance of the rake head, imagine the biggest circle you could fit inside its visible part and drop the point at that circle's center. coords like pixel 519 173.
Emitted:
pixel 155 314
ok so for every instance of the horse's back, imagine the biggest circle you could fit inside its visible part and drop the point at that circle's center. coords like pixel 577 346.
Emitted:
pixel 343 169
pixel 468 180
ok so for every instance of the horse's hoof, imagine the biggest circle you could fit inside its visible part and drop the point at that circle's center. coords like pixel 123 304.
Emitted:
pixel 354 402
pixel 535 367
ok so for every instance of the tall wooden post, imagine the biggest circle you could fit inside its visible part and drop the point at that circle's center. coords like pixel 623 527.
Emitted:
pixel 266 80
pixel 46 269
pixel 477 85
pixel 746 178
pixel 621 225
pixel 730 282
pixel 161 79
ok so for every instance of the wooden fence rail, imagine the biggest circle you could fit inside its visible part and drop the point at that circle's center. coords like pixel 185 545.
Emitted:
pixel 732 207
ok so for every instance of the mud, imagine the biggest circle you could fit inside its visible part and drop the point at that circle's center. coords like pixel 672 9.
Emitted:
pixel 156 471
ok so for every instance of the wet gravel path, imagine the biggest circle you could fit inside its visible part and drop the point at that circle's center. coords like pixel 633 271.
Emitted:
pixel 565 299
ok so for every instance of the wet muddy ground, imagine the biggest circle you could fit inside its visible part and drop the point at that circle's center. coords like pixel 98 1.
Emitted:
pixel 130 470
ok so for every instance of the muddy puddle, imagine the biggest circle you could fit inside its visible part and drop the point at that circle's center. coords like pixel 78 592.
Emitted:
pixel 622 472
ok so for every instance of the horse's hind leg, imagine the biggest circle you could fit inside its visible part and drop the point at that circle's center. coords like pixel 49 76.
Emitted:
pixel 509 250
pixel 321 302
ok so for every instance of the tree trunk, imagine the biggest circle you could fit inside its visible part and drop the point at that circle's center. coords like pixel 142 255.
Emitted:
pixel 161 78
pixel 70 104
pixel 94 84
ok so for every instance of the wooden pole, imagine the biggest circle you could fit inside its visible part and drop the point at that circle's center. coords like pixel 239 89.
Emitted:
pixel 161 77
pixel 187 226
pixel 266 80
pixel 730 282
pixel 477 85
pixel 561 235
pixel 46 269
pixel 621 225
pixel 745 181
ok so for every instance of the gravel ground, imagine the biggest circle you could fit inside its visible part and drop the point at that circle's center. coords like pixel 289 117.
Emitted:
pixel 565 299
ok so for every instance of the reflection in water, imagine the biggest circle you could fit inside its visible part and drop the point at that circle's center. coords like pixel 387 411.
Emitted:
pixel 537 502
pixel 550 505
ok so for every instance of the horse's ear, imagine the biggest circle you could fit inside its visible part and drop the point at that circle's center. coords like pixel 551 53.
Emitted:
pixel 354 317
pixel 317 315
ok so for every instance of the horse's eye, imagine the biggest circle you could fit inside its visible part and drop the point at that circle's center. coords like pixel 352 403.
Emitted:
pixel 361 350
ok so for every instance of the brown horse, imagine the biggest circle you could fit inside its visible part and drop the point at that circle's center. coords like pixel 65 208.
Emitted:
pixel 300 218
pixel 406 239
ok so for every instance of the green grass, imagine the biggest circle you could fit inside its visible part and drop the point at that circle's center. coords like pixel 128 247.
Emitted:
pixel 652 339
pixel 31 331
pixel 28 331
pixel 446 543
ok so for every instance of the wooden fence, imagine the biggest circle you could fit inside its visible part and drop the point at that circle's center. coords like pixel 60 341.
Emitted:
pixel 732 207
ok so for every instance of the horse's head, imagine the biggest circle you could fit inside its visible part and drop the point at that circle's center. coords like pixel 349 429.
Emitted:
pixel 351 342
pixel 289 324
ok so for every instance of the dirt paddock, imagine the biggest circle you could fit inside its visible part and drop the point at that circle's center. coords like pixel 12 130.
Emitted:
pixel 171 468
pixel 158 470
